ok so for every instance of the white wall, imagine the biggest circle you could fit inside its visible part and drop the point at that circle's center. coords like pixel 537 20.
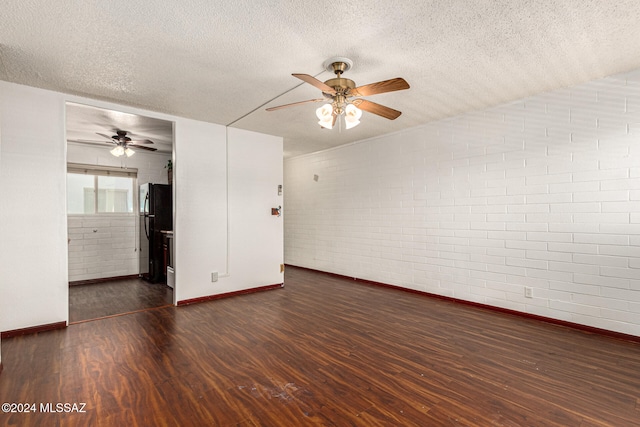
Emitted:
pixel 200 241
pixel 103 246
pixel 253 242
pixel 33 248
pixel 257 237
pixel 541 193
pixel 150 165
pixel 0 247
pixel 33 219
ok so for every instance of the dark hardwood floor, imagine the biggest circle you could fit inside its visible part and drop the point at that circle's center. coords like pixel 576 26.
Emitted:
pixel 323 351
pixel 93 301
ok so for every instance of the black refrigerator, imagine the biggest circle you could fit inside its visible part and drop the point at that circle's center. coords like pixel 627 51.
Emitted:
pixel 156 218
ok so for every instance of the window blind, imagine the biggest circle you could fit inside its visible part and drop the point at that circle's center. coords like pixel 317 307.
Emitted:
pixel 79 168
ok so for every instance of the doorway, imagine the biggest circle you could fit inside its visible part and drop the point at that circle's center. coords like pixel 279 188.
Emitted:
pixel 109 154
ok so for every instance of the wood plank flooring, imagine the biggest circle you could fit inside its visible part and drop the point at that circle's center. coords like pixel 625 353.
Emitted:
pixel 93 301
pixel 323 351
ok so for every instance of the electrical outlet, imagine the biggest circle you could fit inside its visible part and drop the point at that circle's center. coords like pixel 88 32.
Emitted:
pixel 214 276
pixel 528 292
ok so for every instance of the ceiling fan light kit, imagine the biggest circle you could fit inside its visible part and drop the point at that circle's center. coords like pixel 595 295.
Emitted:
pixel 340 91
pixel 117 151
pixel 120 150
pixel 124 143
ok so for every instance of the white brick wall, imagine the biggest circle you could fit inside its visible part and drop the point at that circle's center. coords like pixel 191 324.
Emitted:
pixel 543 192
pixel 102 246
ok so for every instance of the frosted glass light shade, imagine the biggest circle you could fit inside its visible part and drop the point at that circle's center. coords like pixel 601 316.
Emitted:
pixel 129 152
pixel 325 111
pixel 117 151
pixel 328 124
pixel 352 116
pixel 325 116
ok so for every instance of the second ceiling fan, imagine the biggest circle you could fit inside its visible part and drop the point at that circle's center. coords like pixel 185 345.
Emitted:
pixel 123 143
pixel 339 94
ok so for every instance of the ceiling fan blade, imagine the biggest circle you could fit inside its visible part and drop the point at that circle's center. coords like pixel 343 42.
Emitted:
pixel 142 147
pixel 315 82
pixel 141 141
pixel 380 87
pixel 93 141
pixel 294 104
pixel 380 110
pixel 106 136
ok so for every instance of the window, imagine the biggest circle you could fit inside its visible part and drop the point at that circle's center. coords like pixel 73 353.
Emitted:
pixel 92 190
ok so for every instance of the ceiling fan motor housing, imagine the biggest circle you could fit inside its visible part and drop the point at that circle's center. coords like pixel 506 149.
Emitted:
pixel 339 65
pixel 121 136
pixel 341 85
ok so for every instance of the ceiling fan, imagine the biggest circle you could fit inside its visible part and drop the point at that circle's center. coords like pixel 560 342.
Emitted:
pixel 124 143
pixel 339 94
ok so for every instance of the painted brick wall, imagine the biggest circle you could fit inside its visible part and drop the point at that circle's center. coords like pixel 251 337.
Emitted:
pixel 541 193
pixel 102 246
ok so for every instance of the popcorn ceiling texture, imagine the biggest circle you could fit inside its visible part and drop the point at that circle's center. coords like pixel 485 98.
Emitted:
pixel 217 61
pixel 543 193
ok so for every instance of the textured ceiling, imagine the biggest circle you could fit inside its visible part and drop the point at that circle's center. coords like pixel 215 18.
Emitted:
pixel 218 61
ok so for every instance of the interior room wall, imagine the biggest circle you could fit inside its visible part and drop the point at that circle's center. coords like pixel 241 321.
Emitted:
pixel 540 194
pixel 226 185
pixel 151 166
pixel 257 243
pixel 200 236
pixel 33 223
pixel 0 187
pixel 103 246
pixel 33 218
